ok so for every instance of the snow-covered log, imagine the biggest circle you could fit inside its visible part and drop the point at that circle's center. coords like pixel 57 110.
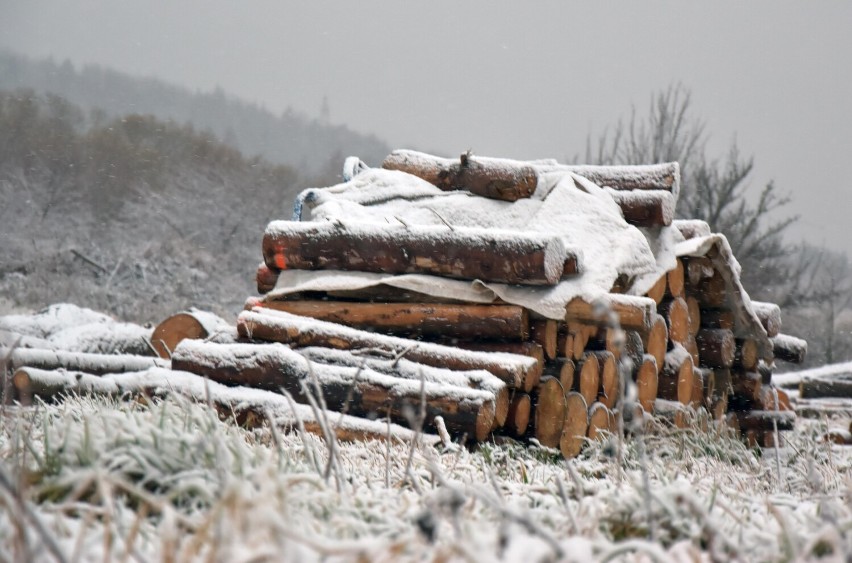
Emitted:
pixel 645 208
pixel 529 349
pixel 283 327
pixel 244 405
pixel 406 369
pixel 789 348
pixel 507 181
pixel 266 278
pixel 677 377
pixel 450 320
pixel 79 361
pixel 825 387
pixel 460 252
pixel 629 312
pixel 361 391
pixel 769 315
pixel 676 313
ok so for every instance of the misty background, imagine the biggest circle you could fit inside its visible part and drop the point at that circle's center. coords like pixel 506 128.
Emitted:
pixel 247 103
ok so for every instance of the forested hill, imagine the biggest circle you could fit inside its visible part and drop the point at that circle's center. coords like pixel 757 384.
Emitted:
pixel 133 215
pixel 290 138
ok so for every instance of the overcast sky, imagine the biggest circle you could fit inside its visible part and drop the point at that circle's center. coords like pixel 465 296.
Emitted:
pixel 520 79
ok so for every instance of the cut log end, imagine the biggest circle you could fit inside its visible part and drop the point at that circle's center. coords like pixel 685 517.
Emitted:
pixel 576 425
pixel 549 412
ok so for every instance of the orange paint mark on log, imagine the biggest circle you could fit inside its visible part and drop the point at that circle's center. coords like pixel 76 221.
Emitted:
pixel 280 260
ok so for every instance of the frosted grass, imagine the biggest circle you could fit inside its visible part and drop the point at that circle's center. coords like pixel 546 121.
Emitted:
pixel 107 480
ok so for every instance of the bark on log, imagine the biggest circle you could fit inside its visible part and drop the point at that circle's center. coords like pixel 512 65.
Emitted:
pixel 507 181
pixel 676 313
pixel 461 253
pixel 193 324
pixel 645 208
pixel 579 339
pixel 406 369
pixel 769 315
pixel 518 419
pixel 819 387
pixel 656 340
pixel 575 427
pixel 266 278
pixel 633 313
pixel 488 322
pixel 360 391
pixel 634 349
pixel 677 377
pixel 244 406
pixel 789 348
pixel 96 364
pixel 612 340
pixel 544 333
pixel 529 349
pixel 549 412
pixel 664 176
pixel 691 346
pixel 698 381
pixel 601 422
pixel 716 347
pixel 717 385
pixel 647 383
pixel 277 326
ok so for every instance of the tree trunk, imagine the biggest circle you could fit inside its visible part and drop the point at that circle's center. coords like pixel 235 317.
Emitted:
pixel 698 269
pixel 746 355
pixel 575 427
pixel 461 252
pixel 589 380
pixel 658 290
pixel 360 391
pixel 410 320
pixel 277 326
pixel 766 420
pixel 564 370
pixel 610 388
pixel 712 291
pixel 694 315
pixel 717 318
pixel 549 412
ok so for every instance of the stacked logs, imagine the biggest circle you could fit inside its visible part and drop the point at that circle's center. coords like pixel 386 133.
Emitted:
pixel 686 342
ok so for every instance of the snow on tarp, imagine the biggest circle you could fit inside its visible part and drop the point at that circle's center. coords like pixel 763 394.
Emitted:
pixel 563 205
pixel 746 322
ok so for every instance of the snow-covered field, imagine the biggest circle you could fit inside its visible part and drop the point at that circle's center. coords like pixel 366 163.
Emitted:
pixel 93 479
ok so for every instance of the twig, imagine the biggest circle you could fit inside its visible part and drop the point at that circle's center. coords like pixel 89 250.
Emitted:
pixel 400 355
pixel 444 221
pixel 149 345
pixel 88 260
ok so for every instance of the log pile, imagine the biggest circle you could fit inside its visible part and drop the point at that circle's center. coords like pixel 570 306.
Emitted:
pixel 677 342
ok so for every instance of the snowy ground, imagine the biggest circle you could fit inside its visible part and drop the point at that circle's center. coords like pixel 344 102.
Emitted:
pixel 99 480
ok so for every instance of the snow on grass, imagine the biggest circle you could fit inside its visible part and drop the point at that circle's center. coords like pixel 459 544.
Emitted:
pixel 170 481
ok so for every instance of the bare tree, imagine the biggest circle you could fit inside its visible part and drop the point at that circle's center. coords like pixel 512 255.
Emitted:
pixel 713 189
